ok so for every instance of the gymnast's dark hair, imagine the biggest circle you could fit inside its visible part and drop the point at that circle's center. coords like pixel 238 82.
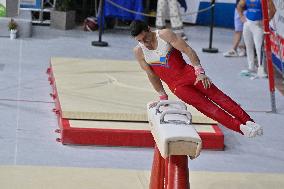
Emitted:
pixel 137 26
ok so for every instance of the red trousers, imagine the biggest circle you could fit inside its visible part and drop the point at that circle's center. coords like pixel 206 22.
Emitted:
pixel 212 102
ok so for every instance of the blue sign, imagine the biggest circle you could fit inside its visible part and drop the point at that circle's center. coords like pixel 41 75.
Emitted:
pixel 34 4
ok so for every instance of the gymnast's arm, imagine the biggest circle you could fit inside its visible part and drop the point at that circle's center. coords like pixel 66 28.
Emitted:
pixel 154 79
pixel 181 45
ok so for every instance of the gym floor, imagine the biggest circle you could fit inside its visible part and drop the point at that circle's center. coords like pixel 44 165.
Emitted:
pixel 30 157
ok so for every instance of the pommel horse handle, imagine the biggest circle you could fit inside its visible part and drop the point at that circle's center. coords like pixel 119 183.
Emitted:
pixel 176 111
pixel 169 102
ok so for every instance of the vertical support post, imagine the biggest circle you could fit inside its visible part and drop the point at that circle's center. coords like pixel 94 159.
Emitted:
pixel 158 171
pixel 178 176
pixel 268 55
pixel 41 12
pixel 211 49
pixel 166 172
pixel 101 43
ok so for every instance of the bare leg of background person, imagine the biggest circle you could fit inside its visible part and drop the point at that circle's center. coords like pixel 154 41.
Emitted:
pixel 237 39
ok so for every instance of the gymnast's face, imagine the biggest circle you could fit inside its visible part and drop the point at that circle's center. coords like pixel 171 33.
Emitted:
pixel 145 37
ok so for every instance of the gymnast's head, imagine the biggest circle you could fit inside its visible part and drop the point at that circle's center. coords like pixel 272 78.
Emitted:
pixel 141 32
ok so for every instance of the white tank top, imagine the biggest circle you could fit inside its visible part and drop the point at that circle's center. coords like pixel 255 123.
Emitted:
pixel 158 55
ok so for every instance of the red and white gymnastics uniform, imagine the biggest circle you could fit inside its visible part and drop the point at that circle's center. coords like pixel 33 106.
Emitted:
pixel 168 64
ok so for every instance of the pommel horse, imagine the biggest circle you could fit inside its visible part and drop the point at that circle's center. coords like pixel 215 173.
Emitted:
pixel 176 140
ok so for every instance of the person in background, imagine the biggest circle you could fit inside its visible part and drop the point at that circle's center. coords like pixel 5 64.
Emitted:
pixel 253 32
pixel 239 48
pixel 175 17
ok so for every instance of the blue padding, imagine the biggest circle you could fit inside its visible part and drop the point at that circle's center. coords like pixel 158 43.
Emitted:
pixel 224 15
pixel 135 5
pixel 36 5
pixel 277 63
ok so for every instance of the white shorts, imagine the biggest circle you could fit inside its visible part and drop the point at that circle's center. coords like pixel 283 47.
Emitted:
pixel 237 21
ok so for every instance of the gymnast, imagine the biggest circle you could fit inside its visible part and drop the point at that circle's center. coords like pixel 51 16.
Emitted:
pixel 159 54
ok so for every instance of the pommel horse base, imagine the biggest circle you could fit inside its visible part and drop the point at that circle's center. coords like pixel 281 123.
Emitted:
pixel 176 140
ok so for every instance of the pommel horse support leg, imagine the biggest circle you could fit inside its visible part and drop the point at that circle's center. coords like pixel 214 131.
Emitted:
pixel 176 139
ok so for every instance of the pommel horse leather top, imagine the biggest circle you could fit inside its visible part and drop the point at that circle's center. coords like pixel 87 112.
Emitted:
pixel 171 127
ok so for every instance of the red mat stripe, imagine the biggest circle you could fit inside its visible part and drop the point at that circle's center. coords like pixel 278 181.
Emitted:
pixel 118 137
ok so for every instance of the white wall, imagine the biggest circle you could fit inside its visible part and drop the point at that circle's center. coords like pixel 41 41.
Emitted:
pixel 278 20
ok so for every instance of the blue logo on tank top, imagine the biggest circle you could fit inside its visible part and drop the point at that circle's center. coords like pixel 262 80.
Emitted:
pixel 163 60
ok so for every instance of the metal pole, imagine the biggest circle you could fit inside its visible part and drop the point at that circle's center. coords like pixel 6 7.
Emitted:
pixel 268 55
pixel 210 49
pixel 100 43
pixel 273 102
pixel 41 12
